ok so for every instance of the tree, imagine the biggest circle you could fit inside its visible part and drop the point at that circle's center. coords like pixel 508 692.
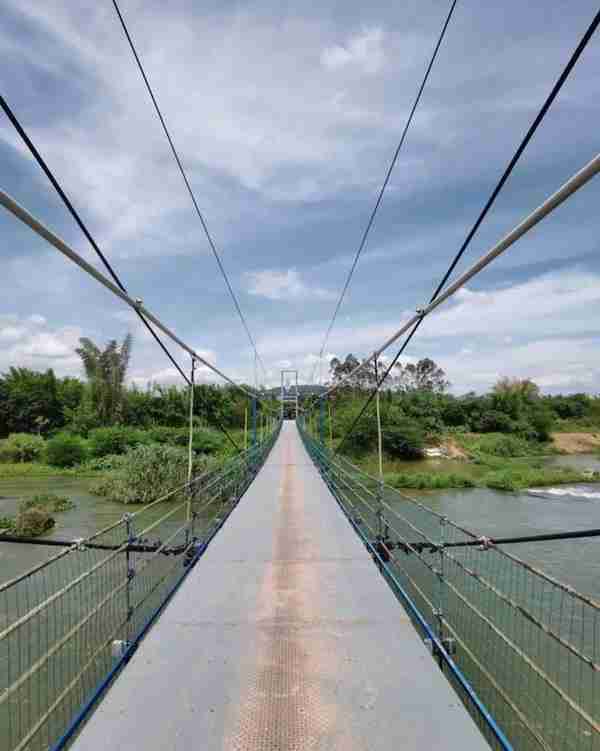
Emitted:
pixel 426 375
pixel 362 380
pixel 525 388
pixel 29 402
pixel 105 371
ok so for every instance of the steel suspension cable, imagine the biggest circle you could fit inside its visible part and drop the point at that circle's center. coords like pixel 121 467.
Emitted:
pixel 488 205
pixel 76 216
pixel 82 226
pixel 387 178
pixel 188 186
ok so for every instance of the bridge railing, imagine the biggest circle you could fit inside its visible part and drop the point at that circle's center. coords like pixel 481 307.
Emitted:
pixel 528 645
pixel 70 623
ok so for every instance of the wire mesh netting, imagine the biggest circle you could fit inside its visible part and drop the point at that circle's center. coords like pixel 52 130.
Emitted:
pixel 65 623
pixel 528 645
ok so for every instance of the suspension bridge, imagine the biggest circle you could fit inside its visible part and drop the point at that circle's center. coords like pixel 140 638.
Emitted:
pixel 285 599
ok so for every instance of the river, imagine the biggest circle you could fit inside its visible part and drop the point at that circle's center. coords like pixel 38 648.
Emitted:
pixel 483 511
pixel 89 514
pixel 535 511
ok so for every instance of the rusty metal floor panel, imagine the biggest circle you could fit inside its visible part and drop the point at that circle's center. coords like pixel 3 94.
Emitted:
pixel 283 638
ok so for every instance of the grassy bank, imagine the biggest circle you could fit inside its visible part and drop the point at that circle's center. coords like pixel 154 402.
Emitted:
pixel 16 470
pixel 489 461
pixel 512 476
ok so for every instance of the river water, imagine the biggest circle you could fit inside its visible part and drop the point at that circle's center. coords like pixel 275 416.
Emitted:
pixel 89 514
pixel 536 511
pixel 483 511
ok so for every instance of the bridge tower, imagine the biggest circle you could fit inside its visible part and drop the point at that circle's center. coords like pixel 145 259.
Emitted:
pixel 285 397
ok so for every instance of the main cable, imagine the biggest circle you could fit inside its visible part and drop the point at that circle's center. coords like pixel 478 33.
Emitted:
pixel 82 226
pixel 387 178
pixel 187 185
pixel 488 205
pixel 75 214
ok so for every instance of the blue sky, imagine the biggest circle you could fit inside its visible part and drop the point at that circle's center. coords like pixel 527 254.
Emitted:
pixel 286 116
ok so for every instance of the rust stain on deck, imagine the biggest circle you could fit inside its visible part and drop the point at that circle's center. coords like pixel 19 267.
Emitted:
pixel 282 706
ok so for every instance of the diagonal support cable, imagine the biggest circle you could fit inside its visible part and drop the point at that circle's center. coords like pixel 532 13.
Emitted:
pixel 488 205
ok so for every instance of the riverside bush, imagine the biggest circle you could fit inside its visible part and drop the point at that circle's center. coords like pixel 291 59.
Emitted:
pixel 204 441
pixel 115 440
pixel 504 445
pixel 56 503
pixel 65 450
pixel 148 472
pixel 34 521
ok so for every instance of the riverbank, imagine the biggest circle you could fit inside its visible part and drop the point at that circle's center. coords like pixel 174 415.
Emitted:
pixel 492 460
pixel 16 470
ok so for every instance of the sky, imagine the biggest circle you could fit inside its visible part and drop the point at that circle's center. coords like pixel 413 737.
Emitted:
pixel 286 117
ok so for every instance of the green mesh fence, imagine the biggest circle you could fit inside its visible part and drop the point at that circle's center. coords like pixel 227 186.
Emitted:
pixel 528 644
pixel 65 622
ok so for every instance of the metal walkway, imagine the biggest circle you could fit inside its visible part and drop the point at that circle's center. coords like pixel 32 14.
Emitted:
pixel 283 638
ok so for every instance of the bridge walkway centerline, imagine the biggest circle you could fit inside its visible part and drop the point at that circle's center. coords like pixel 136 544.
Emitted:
pixel 282 638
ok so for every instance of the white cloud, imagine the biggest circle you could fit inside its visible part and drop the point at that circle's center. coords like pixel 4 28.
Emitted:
pixel 30 342
pixel 552 304
pixel 284 285
pixel 363 51
pixel 535 329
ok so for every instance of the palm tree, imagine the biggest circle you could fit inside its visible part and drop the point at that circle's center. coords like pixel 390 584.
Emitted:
pixel 105 371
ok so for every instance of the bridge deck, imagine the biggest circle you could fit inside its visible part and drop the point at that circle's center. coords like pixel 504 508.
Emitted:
pixel 282 638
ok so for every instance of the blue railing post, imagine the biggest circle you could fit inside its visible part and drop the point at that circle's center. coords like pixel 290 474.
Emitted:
pixel 254 421
pixel 322 421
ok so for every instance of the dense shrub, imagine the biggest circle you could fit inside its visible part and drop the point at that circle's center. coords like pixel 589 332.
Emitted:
pixel 148 472
pixel 23 447
pixel 49 501
pixel 163 434
pixel 542 422
pixel 105 463
pixel 115 440
pixel 65 450
pixel 494 421
pixel 205 441
pixel 404 440
pixel 34 521
pixel 504 445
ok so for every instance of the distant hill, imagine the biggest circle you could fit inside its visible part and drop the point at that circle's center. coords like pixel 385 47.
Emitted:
pixel 303 390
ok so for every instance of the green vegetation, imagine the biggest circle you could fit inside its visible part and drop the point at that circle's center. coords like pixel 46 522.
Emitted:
pixel 33 517
pixel 22 447
pixel 501 445
pixel 33 521
pixel 65 450
pixel 512 476
pixel 148 472
pixel 517 478
pixel 50 501
pixel 7 524
pixel 115 440
pixel 11 471
pixel 429 480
